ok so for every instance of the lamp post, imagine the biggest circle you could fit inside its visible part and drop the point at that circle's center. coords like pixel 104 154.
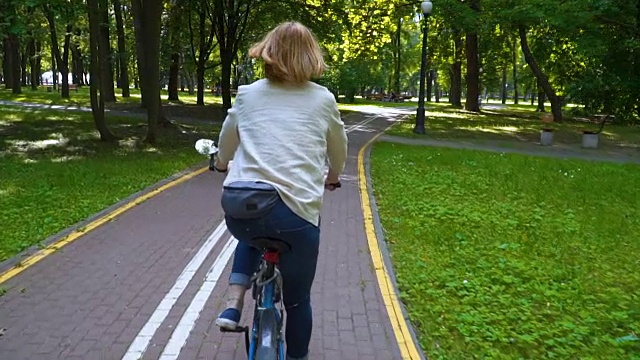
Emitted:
pixel 426 7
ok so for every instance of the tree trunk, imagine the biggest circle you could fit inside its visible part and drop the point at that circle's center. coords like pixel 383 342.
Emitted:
pixel 39 62
pixel 190 84
pixel 350 95
pixel 116 68
pixel 235 78
pixel 16 72
pixel 473 65
pixel 456 72
pixel 123 62
pixel 429 85
pixel 473 74
pixel 7 67
pixel 203 55
pixel 200 80
pixel 231 21
pixel 33 64
pixel 176 48
pixel 543 80
pixel 64 69
pixel 541 99
pixel 504 85
pixel 227 63
pixel 516 96
pixel 148 23
pixel 107 62
pixel 174 72
pixel 436 86
pixel 23 68
pixel 140 56
pixel 533 98
pixel 77 63
pixel 62 60
pixel 398 55
pixel 95 82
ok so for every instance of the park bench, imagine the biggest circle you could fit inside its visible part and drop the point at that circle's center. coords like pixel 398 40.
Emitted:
pixel 379 97
pixel 218 91
pixel 402 98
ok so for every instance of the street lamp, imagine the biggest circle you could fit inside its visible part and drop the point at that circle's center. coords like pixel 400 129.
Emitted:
pixel 426 7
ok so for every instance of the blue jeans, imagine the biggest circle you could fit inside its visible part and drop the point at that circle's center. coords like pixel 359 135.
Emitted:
pixel 298 266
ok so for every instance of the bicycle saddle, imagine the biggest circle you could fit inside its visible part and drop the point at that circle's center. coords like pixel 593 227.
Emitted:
pixel 266 243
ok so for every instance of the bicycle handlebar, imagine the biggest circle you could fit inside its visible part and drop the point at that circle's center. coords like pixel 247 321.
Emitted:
pixel 337 185
pixel 212 164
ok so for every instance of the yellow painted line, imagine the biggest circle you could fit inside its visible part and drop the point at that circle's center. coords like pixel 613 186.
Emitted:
pixel 50 249
pixel 407 346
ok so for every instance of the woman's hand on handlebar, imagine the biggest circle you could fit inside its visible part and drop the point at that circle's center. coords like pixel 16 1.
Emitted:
pixel 216 165
pixel 332 181
pixel 332 186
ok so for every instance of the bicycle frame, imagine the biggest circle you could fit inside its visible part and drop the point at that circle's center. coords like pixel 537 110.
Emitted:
pixel 266 333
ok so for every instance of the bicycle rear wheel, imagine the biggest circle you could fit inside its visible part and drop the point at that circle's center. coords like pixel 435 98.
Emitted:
pixel 267 342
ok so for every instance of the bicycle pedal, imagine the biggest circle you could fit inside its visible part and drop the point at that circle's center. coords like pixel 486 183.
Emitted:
pixel 238 329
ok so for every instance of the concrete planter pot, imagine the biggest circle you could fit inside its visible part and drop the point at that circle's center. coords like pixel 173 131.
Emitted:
pixel 546 137
pixel 590 140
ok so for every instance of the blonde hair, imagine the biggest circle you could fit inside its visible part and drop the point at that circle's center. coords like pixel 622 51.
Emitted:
pixel 291 54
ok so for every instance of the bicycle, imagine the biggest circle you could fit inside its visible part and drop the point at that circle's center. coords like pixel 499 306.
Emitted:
pixel 264 341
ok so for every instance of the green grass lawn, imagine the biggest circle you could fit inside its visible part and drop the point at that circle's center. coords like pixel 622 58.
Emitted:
pixel 513 257
pixel 81 97
pixel 55 172
pixel 513 123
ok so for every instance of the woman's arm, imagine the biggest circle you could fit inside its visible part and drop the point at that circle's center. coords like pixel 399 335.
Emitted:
pixel 229 138
pixel 336 144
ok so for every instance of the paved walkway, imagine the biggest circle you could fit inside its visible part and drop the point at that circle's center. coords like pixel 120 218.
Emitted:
pixel 152 281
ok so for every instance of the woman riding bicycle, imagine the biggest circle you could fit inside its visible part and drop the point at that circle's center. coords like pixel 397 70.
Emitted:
pixel 280 133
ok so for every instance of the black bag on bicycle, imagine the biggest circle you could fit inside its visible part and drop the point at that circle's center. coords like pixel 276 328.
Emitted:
pixel 248 199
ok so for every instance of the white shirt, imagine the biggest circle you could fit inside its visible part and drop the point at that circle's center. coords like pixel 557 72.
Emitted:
pixel 284 136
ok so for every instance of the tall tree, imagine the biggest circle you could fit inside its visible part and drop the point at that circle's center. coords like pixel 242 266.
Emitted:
pixel 12 34
pixel 516 96
pixel 230 18
pixel 7 66
pixel 33 62
pixel 147 22
pixel 503 86
pixel 205 34
pixel 77 60
pixel 107 62
pixel 473 63
pixel 543 80
pixel 96 85
pixel 123 56
pixel 62 59
pixel 455 96
pixel 174 26
pixel 13 44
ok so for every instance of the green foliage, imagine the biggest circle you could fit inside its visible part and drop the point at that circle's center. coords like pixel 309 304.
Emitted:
pixel 588 49
pixel 512 257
